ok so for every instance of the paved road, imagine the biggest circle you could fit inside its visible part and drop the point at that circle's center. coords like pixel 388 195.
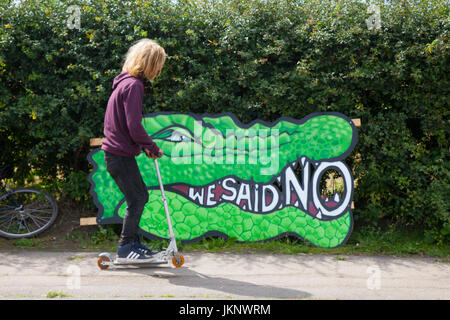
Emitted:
pixel 31 274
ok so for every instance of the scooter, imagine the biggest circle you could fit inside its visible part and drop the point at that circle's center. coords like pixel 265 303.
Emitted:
pixel 106 259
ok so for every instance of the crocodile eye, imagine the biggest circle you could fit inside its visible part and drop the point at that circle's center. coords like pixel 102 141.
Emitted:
pixel 178 137
pixel 174 134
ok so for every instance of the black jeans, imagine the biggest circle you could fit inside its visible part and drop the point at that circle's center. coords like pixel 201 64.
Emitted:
pixel 125 172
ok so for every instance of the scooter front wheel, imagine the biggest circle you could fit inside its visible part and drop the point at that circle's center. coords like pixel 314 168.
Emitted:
pixel 178 260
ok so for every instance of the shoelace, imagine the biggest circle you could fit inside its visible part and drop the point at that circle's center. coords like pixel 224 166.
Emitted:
pixel 143 249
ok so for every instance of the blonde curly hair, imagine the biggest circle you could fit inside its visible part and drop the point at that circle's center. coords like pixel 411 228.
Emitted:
pixel 145 59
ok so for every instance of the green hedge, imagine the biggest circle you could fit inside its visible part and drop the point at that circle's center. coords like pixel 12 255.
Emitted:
pixel 257 59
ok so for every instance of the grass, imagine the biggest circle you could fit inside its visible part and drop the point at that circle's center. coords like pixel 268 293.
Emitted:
pixel 103 238
pixel 340 258
pixel 24 243
pixel 54 294
pixel 76 258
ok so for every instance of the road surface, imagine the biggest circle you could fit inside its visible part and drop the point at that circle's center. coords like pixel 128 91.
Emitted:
pixel 75 275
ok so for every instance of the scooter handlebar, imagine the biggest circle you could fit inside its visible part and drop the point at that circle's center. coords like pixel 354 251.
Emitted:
pixel 155 155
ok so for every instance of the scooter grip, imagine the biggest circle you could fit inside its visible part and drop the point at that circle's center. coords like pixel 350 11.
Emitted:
pixel 156 155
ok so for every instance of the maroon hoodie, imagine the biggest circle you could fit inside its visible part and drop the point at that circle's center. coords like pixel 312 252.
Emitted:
pixel 123 130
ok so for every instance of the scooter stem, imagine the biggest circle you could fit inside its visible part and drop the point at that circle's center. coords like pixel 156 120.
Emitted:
pixel 166 208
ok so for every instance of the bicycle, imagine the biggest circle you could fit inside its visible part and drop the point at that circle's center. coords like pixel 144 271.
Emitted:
pixel 24 212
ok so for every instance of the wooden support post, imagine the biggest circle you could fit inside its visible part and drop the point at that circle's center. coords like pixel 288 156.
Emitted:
pixel 357 122
pixel 88 221
pixel 96 142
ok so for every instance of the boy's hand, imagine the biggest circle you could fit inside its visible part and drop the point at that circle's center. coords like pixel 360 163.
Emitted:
pixel 152 155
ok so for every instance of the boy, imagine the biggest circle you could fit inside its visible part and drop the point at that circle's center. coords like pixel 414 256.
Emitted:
pixel 125 138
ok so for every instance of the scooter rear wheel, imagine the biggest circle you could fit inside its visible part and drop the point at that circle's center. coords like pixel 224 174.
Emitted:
pixel 178 260
pixel 100 263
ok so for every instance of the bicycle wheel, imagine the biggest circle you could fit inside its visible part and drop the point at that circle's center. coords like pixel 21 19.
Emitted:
pixel 26 212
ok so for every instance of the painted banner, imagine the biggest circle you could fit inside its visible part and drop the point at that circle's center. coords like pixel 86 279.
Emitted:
pixel 253 182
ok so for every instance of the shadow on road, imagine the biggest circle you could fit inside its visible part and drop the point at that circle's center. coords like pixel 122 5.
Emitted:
pixel 189 278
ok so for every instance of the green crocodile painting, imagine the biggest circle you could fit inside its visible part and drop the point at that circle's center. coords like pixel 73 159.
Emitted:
pixel 252 182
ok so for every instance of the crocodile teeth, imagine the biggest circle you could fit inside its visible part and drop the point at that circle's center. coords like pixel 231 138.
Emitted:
pixel 319 215
pixel 294 164
pixel 336 197
pixel 303 159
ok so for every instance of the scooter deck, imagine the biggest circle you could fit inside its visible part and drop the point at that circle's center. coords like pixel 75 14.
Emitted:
pixel 137 263
pixel 107 259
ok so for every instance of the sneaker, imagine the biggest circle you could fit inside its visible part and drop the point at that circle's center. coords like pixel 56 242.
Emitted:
pixel 129 253
pixel 143 248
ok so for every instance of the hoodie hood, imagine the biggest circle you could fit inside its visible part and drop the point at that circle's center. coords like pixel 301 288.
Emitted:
pixel 120 78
